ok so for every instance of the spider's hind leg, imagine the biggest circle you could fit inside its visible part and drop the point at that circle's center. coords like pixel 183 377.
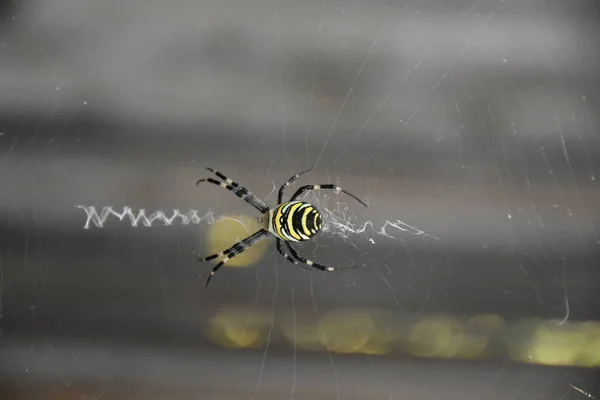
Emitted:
pixel 234 250
pixel 313 264
pixel 288 257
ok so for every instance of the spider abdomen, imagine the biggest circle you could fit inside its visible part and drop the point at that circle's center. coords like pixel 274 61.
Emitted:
pixel 295 221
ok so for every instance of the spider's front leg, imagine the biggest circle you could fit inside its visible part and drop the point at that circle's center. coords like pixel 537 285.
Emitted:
pixel 325 186
pixel 288 183
pixel 237 189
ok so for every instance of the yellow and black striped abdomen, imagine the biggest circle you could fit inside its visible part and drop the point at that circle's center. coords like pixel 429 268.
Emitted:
pixel 295 221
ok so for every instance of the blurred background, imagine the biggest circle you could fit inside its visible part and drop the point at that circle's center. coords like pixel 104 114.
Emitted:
pixel 469 126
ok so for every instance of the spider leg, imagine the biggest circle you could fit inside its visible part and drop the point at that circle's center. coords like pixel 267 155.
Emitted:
pixel 288 183
pixel 239 191
pixel 234 250
pixel 311 263
pixel 326 186
pixel 288 257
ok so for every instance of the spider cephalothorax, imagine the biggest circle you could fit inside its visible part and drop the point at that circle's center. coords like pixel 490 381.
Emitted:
pixel 290 221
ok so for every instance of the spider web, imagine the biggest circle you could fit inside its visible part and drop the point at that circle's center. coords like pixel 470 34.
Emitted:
pixel 468 126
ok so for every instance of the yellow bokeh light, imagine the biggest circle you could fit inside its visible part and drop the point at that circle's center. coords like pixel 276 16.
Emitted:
pixel 344 331
pixel 553 348
pixel 382 338
pixel 479 330
pixel 436 336
pixel 347 331
pixel 380 343
pixel 488 323
pixel 359 331
pixel 238 328
pixel 473 346
pixel 561 344
pixel 590 354
pixel 302 328
pixel 231 229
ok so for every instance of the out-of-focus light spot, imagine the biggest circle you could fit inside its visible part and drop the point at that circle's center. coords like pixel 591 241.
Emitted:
pixel 590 354
pixel 347 331
pixel 302 328
pixel 474 345
pixel 383 337
pixel 231 229
pixel 488 323
pixel 359 331
pixel 342 331
pixel 517 338
pixel 479 330
pixel 380 343
pixel 435 336
pixel 238 328
pixel 553 348
pixel 570 344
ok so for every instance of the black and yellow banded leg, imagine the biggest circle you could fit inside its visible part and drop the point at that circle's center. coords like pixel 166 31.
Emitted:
pixel 288 183
pixel 239 191
pixel 313 264
pixel 326 186
pixel 234 250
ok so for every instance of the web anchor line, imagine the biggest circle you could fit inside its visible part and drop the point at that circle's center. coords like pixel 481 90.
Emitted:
pixel 139 216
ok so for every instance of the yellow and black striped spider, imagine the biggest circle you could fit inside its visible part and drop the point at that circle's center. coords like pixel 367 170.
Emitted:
pixel 290 221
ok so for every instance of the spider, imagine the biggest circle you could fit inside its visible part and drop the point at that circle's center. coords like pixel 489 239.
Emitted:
pixel 290 221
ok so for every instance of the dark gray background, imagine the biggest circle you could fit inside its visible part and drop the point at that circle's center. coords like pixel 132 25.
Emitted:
pixel 473 121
